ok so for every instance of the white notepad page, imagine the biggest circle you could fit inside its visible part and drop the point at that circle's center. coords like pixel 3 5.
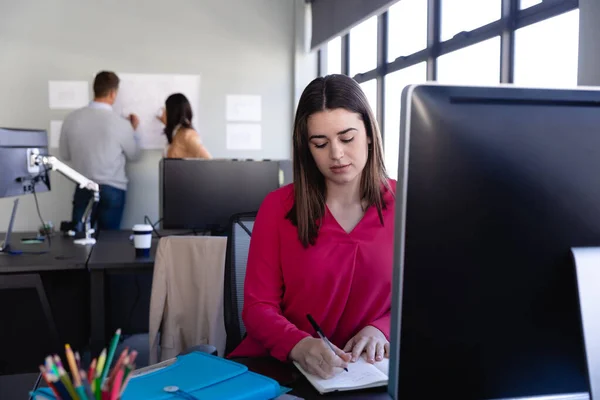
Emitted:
pixel 360 375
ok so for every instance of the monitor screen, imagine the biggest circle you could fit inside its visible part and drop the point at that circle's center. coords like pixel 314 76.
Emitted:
pixel 15 177
pixel 204 194
pixel 496 185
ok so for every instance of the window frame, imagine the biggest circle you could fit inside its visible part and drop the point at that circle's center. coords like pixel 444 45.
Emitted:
pixel 512 19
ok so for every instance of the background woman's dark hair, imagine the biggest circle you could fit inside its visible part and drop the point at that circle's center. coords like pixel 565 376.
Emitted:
pixel 328 93
pixel 179 112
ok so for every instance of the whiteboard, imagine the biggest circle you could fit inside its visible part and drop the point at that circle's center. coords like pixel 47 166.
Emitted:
pixel 145 95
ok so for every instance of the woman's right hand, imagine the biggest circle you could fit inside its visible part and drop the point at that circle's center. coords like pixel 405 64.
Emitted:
pixel 161 115
pixel 316 357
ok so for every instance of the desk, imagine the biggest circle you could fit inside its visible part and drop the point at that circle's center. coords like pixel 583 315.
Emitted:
pixel 63 254
pixel 287 375
pixel 42 293
pixel 113 253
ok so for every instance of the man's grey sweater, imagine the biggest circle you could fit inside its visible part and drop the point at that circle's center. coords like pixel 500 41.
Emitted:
pixel 98 142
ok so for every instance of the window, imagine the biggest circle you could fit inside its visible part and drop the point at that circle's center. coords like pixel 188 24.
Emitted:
pixel 528 3
pixel 546 53
pixel 474 65
pixel 407 28
pixel 334 56
pixel 466 15
pixel 394 84
pixel 370 89
pixel 363 47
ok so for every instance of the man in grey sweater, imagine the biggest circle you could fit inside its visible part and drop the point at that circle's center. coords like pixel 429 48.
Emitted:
pixel 98 142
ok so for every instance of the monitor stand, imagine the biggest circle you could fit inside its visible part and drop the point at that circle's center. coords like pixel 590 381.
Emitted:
pixel 88 239
pixel 587 270
pixel 4 247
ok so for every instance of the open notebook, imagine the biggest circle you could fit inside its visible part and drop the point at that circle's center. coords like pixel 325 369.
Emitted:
pixel 360 375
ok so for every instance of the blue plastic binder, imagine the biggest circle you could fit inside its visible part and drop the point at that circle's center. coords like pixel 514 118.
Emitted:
pixel 196 375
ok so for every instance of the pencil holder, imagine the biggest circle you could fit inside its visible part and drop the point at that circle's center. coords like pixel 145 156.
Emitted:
pixel 98 382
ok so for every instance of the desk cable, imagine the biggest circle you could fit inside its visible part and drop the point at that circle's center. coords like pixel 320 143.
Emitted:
pixel 37 205
pixel 153 225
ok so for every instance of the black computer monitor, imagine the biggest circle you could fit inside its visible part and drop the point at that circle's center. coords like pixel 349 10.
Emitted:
pixel 202 195
pixel 496 185
pixel 16 177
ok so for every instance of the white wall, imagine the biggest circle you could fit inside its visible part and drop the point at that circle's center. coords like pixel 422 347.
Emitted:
pixel 236 46
pixel 589 43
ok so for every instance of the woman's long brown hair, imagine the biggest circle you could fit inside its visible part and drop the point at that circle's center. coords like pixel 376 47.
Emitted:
pixel 328 93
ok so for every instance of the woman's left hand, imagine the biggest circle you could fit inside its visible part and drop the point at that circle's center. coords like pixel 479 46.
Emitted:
pixel 371 340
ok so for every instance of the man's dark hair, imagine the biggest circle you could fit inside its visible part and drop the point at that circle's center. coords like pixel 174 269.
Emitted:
pixel 104 82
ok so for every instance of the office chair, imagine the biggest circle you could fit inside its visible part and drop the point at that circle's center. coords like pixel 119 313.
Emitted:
pixel 238 244
pixel 186 304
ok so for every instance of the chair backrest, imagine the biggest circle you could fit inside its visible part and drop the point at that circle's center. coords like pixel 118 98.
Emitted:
pixel 186 304
pixel 238 244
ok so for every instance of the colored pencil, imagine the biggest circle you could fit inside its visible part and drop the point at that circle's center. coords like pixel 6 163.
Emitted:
pixel 92 371
pixel 81 393
pixel 100 365
pixel 50 365
pixel 98 388
pixel 48 382
pixel 132 356
pixel 111 353
pixel 124 385
pixel 64 378
pixel 72 365
pixel 116 387
pixel 78 360
pixel 86 385
pixel 60 387
pixel 118 365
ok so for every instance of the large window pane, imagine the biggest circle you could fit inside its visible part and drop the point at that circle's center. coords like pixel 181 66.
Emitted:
pixel 394 84
pixel 466 15
pixel 363 47
pixel 370 89
pixel 546 53
pixel 474 65
pixel 529 3
pixel 334 56
pixel 407 28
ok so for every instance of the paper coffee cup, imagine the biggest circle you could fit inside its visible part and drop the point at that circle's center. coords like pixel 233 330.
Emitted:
pixel 142 239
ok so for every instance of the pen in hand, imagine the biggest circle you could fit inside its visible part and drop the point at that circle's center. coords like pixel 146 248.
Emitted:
pixel 321 334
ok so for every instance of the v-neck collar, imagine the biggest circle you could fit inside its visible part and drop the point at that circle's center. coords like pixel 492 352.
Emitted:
pixel 339 226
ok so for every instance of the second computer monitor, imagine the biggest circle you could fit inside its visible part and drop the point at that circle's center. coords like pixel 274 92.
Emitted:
pixel 204 194
pixel 496 185
pixel 16 176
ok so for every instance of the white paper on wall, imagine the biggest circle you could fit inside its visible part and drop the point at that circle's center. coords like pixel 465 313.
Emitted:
pixel 244 108
pixel 54 136
pixel 244 137
pixel 145 95
pixel 68 94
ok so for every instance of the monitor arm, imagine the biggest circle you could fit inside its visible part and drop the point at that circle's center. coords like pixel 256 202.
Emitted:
pixel 53 163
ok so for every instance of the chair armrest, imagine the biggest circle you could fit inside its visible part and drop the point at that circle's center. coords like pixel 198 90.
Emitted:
pixel 202 348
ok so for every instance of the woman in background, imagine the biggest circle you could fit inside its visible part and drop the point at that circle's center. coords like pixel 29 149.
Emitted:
pixel 184 141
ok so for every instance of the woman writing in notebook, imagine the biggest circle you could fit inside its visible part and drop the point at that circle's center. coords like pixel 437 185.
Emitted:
pixel 184 141
pixel 323 245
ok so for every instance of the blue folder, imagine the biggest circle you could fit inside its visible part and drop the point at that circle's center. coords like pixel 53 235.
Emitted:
pixel 200 375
